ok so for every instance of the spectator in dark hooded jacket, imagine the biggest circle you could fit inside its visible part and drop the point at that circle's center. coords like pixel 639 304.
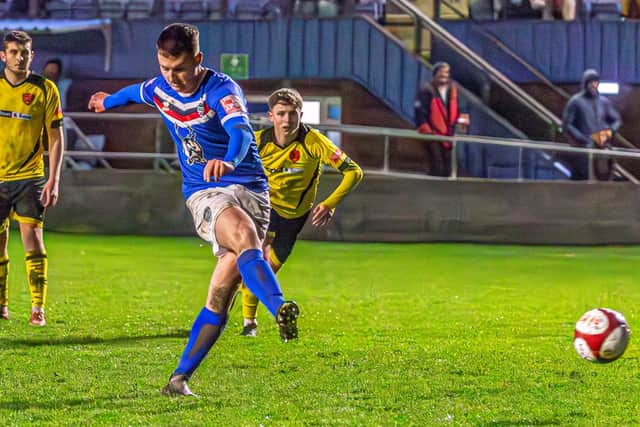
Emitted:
pixel 590 120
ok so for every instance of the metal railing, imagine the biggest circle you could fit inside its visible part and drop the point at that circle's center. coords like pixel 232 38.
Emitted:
pixel 162 161
pixel 422 22
pixel 494 40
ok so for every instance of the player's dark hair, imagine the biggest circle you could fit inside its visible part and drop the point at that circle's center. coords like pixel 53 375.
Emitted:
pixel 285 96
pixel 16 36
pixel 179 38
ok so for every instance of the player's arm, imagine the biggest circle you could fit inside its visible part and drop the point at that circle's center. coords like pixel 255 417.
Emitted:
pixel 102 101
pixel 240 139
pixel 55 135
pixel 50 191
pixel 351 176
pixel 232 111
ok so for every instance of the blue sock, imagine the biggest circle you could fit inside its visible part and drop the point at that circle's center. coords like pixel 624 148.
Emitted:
pixel 259 278
pixel 205 331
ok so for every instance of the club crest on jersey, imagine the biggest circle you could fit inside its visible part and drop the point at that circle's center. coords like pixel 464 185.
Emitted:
pixel 200 109
pixel 294 156
pixel 232 104
pixel 28 98
pixel 192 150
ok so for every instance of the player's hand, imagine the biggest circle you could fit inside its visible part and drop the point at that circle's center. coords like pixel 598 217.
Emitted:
pixel 49 195
pixel 321 215
pixel 216 168
pixel 96 103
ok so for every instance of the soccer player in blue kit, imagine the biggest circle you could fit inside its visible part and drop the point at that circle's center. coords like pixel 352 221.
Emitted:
pixel 222 180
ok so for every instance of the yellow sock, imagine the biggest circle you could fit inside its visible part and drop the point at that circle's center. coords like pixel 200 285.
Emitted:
pixel 249 303
pixel 4 280
pixel 36 262
pixel 274 261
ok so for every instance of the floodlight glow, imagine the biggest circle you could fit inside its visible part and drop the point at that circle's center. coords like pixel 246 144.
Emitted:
pixel 311 112
pixel 609 88
pixel 562 168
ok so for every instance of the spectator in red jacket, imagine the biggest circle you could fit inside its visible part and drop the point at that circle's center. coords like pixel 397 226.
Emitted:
pixel 436 113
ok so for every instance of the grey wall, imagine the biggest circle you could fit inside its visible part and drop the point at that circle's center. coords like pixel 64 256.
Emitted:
pixel 380 209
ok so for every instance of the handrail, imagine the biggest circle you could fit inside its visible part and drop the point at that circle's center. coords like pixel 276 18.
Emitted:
pixel 503 81
pixel 386 133
pixel 404 133
pixel 69 122
pixel 530 68
pixel 506 49
pixel 483 140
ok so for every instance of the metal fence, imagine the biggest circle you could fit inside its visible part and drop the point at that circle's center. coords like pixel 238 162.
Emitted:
pixel 163 161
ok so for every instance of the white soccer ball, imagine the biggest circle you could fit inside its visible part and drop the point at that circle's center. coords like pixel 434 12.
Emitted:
pixel 601 335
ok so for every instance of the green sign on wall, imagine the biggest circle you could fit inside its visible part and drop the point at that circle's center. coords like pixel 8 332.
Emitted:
pixel 235 65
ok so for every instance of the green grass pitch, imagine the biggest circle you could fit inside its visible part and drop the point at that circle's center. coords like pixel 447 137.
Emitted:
pixel 390 334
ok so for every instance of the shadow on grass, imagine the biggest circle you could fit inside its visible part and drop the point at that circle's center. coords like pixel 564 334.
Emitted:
pixel 21 405
pixel 525 422
pixel 109 403
pixel 86 340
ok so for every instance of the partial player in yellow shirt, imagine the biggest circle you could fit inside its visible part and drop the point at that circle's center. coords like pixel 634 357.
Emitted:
pixel 30 117
pixel 293 155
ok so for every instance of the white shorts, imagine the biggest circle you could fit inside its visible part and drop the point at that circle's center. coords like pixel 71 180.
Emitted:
pixel 206 205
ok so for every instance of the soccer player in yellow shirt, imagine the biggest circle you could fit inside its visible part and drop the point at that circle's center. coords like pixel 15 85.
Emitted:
pixel 293 155
pixel 30 117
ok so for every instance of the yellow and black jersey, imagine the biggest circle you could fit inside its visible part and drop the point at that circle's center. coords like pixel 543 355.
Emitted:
pixel 294 171
pixel 27 111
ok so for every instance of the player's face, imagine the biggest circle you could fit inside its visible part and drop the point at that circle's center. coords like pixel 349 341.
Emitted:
pixel 17 57
pixel 285 118
pixel 181 72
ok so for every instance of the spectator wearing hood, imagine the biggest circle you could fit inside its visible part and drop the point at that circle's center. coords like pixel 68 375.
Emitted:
pixel 590 120
pixel 437 113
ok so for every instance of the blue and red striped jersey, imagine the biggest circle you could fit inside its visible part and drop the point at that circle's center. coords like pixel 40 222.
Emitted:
pixel 197 126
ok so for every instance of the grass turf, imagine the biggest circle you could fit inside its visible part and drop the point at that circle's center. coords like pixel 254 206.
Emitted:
pixel 403 334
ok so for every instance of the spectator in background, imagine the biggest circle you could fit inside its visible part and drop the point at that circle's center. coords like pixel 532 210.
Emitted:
pixel 436 113
pixel 630 9
pixel 53 71
pixel 590 120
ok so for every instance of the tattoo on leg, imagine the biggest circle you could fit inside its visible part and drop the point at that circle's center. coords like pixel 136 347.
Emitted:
pixel 221 296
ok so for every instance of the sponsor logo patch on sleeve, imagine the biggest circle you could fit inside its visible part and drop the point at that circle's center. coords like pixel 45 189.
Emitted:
pixel 232 104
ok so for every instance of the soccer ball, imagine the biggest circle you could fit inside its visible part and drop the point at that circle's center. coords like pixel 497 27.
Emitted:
pixel 601 335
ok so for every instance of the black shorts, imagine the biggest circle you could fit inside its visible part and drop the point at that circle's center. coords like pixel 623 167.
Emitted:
pixel 20 200
pixel 284 232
